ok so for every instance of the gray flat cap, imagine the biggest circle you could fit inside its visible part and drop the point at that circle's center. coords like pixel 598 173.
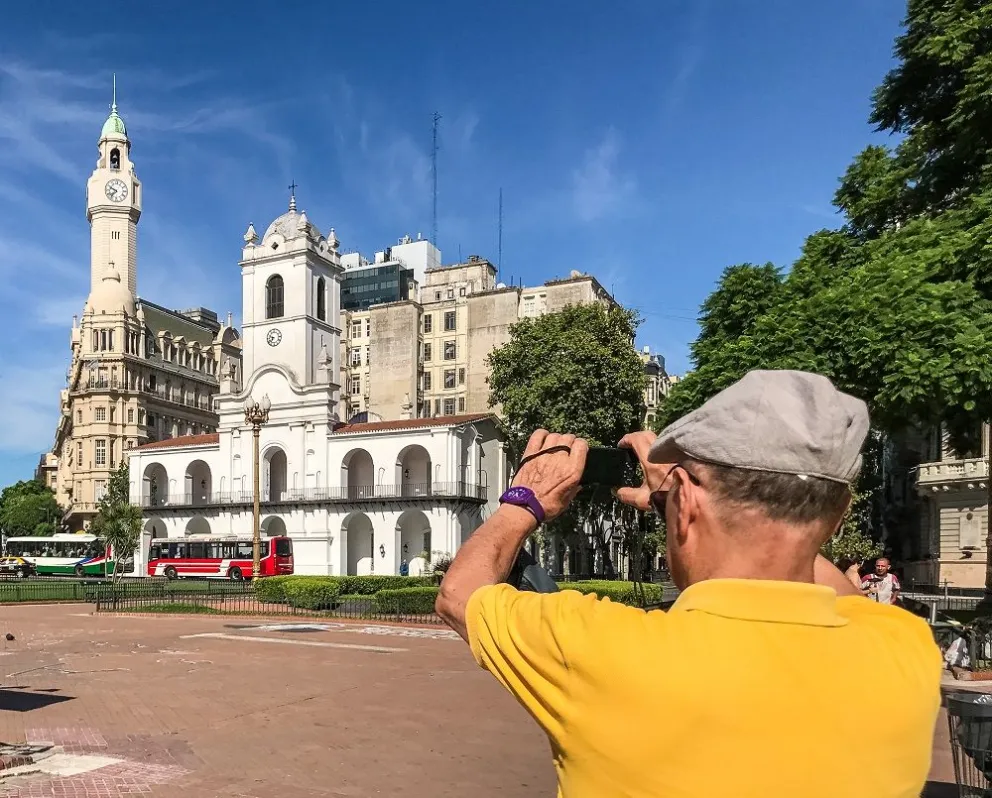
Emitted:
pixel 788 422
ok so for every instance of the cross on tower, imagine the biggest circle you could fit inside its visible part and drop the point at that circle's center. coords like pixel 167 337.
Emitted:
pixel 292 196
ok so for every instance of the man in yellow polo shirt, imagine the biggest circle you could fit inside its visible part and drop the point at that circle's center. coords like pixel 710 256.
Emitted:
pixel 750 685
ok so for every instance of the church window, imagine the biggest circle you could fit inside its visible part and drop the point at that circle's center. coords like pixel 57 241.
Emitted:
pixel 100 456
pixel 321 300
pixel 449 407
pixel 274 297
pixel 100 414
pixel 115 158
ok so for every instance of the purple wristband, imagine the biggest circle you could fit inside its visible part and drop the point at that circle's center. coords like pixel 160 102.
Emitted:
pixel 524 497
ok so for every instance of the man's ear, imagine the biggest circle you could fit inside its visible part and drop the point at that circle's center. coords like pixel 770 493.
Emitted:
pixel 686 497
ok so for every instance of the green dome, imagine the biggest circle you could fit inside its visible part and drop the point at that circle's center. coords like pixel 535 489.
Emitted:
pixel 114 126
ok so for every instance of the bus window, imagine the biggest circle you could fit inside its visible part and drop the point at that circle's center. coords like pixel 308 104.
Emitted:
pixel 264 552
pixel 229 551
pixel 284 547
pixel 197 551
pixel 244 550
pixel 155 553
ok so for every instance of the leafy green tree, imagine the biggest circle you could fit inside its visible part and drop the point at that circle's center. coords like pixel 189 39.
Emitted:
pixel 118 522
pixel 29 508
pixel 572 371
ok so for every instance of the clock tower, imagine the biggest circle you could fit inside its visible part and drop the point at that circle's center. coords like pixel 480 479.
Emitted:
pixel 113 206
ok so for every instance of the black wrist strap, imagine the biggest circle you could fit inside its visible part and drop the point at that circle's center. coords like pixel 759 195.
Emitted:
pixel 549 450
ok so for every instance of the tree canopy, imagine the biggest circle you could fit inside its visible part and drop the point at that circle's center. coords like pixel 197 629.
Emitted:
pixel 29 508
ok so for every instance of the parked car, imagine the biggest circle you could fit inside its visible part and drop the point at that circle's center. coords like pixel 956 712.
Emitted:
pixel 17 566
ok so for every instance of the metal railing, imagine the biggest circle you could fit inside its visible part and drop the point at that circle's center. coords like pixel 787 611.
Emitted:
pixel 350 494
pixel 233 598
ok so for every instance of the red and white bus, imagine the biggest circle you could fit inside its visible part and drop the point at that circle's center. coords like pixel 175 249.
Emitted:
pixel 218 556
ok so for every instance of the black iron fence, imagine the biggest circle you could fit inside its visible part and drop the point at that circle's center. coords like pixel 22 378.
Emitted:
pixel 226 598
pixel 352 493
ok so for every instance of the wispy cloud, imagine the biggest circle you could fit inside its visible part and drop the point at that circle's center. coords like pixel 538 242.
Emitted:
pixel 599 186
pixel 688 58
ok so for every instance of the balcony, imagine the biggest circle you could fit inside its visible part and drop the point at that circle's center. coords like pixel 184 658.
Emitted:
pixel 357 494
pixel 970 474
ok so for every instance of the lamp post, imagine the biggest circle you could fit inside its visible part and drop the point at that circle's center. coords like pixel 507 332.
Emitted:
pixel 256 414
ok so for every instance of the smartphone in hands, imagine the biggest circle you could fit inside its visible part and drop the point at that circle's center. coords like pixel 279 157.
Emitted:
pixel 611 467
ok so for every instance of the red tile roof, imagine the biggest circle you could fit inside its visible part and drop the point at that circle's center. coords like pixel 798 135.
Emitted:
pixel 412 423
pixel 184 440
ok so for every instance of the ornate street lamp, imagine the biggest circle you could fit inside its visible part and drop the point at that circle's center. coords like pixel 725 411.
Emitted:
pixel 256 414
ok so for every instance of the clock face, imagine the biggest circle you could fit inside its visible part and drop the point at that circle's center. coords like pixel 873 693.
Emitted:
pixel 116 190
pixel 273 337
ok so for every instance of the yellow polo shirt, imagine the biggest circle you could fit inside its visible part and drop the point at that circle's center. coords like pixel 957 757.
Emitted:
pixel 744 689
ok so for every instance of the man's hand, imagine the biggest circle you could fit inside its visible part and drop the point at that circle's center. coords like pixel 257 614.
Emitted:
pixel 554 477
pixel 657 476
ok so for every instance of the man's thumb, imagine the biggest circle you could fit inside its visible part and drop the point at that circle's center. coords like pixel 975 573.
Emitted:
pixel 635 497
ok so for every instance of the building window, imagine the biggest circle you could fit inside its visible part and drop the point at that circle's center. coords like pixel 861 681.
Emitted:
pixel 100 414
pixel 356 329
pixel 428 323
pixel 130 415
pixel 321 300
pixel 356 356
pixel 130 444
pixel 449 407
pixel 356 385
pixel 437 407
pixel 450 350
pixel 451 293
pixel 461 291
pixel 79 453
pixel 427 353
pixel 368 327
pixel 274 290
pixel 115 158
pixel 461 404
pixel 99 489
pixel 100 456
pixel 437 296
pixel 461 376
pixel 368 355
pixel 449 320
pixel 141 416
pixel 116 235
pixel 427 380
pixel 79 416
pixel 449 378
pixel 112 415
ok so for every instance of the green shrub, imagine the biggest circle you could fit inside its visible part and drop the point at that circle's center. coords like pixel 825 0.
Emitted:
pixel 272 588
pixel 370 585
pixel 406 600
pixel 621 592
pixel 311 593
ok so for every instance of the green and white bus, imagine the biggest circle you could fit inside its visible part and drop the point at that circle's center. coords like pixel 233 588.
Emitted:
pixel 64 553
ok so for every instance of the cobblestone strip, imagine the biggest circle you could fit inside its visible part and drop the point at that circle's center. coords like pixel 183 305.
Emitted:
pixel 113 781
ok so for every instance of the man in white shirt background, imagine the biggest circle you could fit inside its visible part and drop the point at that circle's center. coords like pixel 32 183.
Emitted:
pixel 882 585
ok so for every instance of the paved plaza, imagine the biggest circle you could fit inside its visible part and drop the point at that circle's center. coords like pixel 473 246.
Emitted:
pixel 203 706
pixel 211 706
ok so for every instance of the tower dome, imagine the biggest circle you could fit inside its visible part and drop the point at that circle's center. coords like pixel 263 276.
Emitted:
pixel 111 296
pixel 114 126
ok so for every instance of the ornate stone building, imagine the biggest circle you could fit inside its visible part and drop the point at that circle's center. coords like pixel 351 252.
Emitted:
pixel 139 372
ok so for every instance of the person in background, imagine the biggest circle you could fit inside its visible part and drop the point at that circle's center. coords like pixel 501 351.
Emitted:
pixel 702 700
pixel 882 585
pixel 851 568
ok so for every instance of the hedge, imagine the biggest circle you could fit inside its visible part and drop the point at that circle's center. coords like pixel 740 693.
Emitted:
pixel 274 588
pixel 406 600
pixel 621 592
pixel 311 593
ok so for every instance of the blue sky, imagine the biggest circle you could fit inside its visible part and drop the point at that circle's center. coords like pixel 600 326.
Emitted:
pixel 649 142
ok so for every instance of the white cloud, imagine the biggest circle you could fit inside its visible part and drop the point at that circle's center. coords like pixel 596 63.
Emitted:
pixel 599 188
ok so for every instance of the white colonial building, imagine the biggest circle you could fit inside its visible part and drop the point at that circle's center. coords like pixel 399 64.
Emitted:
pixel 358 498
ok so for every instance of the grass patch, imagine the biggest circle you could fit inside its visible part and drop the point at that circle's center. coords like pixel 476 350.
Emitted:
pixel 172 607
pixel 39 590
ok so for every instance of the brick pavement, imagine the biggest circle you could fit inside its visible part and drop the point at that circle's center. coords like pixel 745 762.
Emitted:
pixel 216 716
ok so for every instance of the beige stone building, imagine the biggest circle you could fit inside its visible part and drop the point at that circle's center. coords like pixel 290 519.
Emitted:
pixel 428 358
pixel 943 540
pixel 139 372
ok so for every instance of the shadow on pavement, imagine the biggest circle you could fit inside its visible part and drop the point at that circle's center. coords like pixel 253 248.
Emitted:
pixel 14 701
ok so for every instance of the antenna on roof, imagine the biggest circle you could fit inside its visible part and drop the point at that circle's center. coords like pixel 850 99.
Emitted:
pixel 434 147
pixel 499 235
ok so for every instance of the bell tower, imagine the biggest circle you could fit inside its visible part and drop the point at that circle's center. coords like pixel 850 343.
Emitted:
pixel 113 205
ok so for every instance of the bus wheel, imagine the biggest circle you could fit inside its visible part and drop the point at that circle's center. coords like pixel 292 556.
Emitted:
pixel 236 575
pixel 170 573
pixel 79 570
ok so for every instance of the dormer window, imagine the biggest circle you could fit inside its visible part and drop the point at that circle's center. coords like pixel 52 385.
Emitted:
pixel 115 158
